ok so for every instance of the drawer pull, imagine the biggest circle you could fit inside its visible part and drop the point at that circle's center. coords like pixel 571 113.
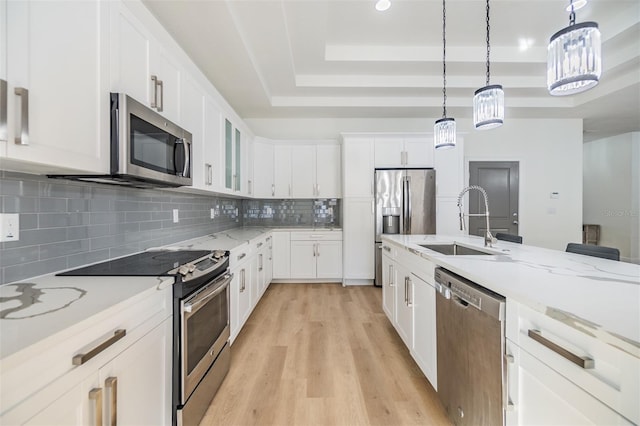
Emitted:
pixel 242 256
pixel 80 359
pixel 259 245
pixel 386 248
pixel 584 362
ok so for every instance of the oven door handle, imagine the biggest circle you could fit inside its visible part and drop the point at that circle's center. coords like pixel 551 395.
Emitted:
pixel 201 298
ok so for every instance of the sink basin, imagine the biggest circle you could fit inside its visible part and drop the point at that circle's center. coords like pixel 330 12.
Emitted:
pixel 454 249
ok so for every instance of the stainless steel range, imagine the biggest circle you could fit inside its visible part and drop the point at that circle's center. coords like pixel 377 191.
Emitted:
pixel 201 355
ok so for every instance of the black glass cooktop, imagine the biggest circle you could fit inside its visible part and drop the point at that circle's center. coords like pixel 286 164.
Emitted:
pixel 148 264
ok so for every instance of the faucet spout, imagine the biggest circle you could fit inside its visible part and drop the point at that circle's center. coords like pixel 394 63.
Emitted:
pixel 488 238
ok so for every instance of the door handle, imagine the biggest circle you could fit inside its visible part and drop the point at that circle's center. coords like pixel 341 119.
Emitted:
pixel 112 384
pixel 515 222
pixel 154 81
pixel 3 110
pixel 391 276
pixel 273 190
pixel 187 157
pixel 23 135
pixel 95 395
pixel 161 106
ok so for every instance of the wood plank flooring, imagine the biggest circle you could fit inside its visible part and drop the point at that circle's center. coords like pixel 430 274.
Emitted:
pixel 322 354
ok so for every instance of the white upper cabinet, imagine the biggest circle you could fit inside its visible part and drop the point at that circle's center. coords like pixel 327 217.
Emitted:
pixel 303 171
pixel 328 171
pixel 404 151
pixel 141 67
pixel 3 73
pixel 192 104
pixel 58 92
pixel 235 162
pixel 282 171
pixel 315 171
pixel 357 166
pixel 211 146
pixel 263 169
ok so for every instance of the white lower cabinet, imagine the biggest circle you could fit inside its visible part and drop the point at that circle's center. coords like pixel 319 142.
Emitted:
pixel 241 287
pixel 404 304
pixel 281 255
pixel 316 255
pixel 358 225
pixel 538 395
pixel 127 381
pixel 388 283
pixel 425 349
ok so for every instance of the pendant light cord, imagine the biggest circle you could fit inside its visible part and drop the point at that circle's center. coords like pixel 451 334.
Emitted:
pixel 572 15
pixel 488 44
pixel 444 61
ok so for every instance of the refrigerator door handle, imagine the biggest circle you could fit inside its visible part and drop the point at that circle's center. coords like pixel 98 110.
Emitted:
pixel 409 205
pixel 406 206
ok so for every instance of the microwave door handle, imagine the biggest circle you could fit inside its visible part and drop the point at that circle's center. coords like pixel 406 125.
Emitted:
pixel 176 142
pixel 187 157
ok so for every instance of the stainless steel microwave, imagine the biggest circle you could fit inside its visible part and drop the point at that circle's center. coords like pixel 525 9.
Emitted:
pixel 147 150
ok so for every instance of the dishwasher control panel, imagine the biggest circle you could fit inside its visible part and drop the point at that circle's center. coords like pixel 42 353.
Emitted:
pixel 451 284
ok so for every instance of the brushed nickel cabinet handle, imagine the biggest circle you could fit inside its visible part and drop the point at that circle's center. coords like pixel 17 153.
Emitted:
pixel 161 105
pixel 154 101
pixel 391 276
pixel 386 248
pixel 260 262
pixel 95 395
pixel 242 256
pixel 23 135
pixel 273 190
pixel 259 245
pixel 409 292
pixel 584 362
pixel 81 358
pixel 506 398
pixel 111 383
pixel 3 110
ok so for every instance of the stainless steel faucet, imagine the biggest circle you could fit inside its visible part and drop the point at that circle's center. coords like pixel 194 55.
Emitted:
pixel 488 238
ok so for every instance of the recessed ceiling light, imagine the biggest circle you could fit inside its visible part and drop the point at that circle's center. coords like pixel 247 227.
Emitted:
pixel 578 4
pixel 383 5
pixel 525 43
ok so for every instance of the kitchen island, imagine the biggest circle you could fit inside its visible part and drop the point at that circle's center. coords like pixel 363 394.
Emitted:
pixel 572 323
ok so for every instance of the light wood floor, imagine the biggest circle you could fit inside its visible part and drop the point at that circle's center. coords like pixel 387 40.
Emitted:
pixel 322 354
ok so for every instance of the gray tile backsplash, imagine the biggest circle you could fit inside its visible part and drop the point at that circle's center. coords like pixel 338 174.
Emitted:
pixel 65 224
pixel 284 213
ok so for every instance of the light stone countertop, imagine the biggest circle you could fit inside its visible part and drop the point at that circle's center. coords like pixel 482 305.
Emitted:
pixel 35 309
pixel 597 296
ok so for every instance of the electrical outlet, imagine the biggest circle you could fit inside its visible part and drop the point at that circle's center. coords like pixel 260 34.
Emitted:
pixel 9 227
pixel 176 218
pixel 213 214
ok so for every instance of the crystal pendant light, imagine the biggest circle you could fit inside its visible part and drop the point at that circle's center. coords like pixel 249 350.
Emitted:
pixel 488 101
pixel 444 130
pixel 574 58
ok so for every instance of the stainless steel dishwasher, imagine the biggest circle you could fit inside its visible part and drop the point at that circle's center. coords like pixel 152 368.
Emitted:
pixel 470 335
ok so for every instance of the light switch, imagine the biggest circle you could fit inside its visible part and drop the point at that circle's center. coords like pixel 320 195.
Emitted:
pixel 176 219
pixel 555 195
pixel 9 227
pixel 213 214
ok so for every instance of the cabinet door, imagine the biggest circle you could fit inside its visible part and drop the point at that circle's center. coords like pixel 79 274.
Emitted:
pixel 389 152
pixel 212 146
pixel 329 259
pixel 542 396
pixel 79 406
pixel 167 70
pixel 358 236
pixel 269 262
pixel 303 171
pixel 237 160
pixel 256 285
pixel 425 350
pixel 449 165
pixel 56 52
pixel 328 174
pixel 263 170
pixel 229 176
pixel 245 298
pixel 418 151
pixel 281 254
pixel 303 259
pixel 282 171
pixel 357 167
pixel 388 288
pixel 404 306
pixel 142 387
pixel 192 106
pixel 3 73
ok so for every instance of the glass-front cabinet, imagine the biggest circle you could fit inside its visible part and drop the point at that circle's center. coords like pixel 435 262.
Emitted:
pixel 232 157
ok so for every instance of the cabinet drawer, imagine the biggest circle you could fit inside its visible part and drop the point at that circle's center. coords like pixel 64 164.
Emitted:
pixel 316 236
pixel 51 361
pixel 609 374
pixel 240 255
pixel 389 250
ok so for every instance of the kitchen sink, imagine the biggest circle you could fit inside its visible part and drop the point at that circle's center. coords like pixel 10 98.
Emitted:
pixel 454 249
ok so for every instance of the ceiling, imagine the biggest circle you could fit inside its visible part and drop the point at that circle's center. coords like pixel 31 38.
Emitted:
pixel 344 59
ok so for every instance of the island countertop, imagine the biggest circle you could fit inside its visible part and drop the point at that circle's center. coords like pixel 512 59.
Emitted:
pixel 596 296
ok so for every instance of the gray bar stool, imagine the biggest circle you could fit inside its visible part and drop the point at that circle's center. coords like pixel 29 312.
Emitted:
pixel 596 251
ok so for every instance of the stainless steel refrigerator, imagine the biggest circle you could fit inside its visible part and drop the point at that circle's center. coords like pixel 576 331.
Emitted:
pixel 405 204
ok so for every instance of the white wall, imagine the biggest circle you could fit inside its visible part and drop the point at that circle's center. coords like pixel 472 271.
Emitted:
pixel 612 192
pixel 549 152
pixel 550 156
